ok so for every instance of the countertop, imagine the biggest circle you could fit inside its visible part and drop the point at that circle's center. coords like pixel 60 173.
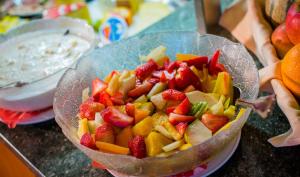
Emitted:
pixel 47 148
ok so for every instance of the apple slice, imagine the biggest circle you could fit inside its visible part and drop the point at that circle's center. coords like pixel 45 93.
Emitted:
pixel 157 88
pixel 158 101
pixel 141 99
pixel 197 96
pixel 127 84
pixel 197 133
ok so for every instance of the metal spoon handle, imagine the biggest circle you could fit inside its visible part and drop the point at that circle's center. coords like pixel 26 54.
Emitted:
pixel 262 105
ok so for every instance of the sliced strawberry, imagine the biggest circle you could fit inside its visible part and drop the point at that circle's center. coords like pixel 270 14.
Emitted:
pixel 141 89
pixel 129 100
pixel 105 99
pixel 184 107
pixel 185 77
pixel 105 133
pixel 214 122
pixel 172 84
pixel 166 63
pixel 181 127
pixel 138 82
pixel 172 94
pixel 220 67
pixel 98 86
pixel 143 71
pixel 157 74
pixel 177 118
pixel 88 141
pixel 137 147
pixel 153 80
pixel 130 108
pixel 212 65
pixel 173 65
pixel 198 62
pixel 170 109
pixel 88 109
pixel 117 99
pixel 116 117
pixel 163 77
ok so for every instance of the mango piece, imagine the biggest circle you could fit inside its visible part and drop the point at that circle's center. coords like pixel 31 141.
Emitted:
pixel 140 114
pixel 184 57
pixel 83 127
pixel 147 106
pixel 144 127
pixel 113 85
pixel 185 146
pixel 124 136
pixel 154 143
pixel 112 148
pixel 224 85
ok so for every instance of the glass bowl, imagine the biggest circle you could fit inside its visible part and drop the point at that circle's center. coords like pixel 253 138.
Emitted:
pixel 125 55
pixel 39 93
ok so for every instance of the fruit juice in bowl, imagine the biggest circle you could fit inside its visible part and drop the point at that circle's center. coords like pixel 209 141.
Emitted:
pixel 166 115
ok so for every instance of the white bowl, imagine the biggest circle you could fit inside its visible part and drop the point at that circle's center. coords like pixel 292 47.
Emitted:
pixel 39 94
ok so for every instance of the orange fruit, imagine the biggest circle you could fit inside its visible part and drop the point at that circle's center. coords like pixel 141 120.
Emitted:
pixel 290 70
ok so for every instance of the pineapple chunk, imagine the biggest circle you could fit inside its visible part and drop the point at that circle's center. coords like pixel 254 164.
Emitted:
pixel 185 146
pixel 144 127
pixel 141 99
pixel 82 127
pixel 163 131
pixel 113 85
pixel 173 146
pixel 172 130
pixel 154 143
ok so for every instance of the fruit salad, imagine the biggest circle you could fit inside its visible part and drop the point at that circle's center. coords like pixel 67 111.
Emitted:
pixel 158 109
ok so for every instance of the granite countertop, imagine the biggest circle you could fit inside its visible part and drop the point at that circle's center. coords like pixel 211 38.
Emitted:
pixel 47 148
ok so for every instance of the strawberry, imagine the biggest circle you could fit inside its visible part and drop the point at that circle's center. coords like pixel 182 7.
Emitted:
pixel 88 109
pixel 116 117
pixel 163 77
pixel 181 127
pixel 141 89
pixel 153 80
pixel 185 77
pixel 98 86
pixel 214 122
pixel 88 141
pixel 220 67
pixel 198 62
pixel 173 65
pixel 177 118
pixel 172 94
pixel 117 99
pixel 167 75
pixel 137 147
pixel 143 71
pixel 184 107
pixel 172 83
pixel 213 63
pixel 105 99
pixel 170 109
pixel 105 133
pixel 130 108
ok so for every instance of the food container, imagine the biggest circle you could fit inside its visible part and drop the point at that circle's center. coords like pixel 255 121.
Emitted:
pixel 125 55
pixel 38 94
